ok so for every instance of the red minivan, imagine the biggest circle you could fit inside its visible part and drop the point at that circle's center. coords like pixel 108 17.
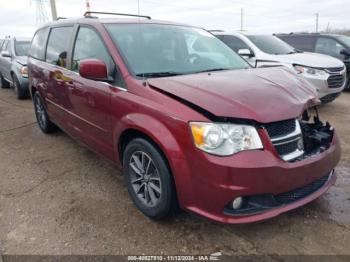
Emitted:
pixel 191 123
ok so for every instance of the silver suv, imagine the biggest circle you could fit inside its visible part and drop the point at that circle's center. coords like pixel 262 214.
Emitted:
pixel 327 74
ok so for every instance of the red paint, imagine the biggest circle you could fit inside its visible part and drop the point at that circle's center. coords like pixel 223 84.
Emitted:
pixel 97 113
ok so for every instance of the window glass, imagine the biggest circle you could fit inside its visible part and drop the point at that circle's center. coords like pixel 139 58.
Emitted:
pixel 171 49
pixel 271 44
pixel 22 48
pixel 37 48
pixel 304 43
pixel 328 46
pixel 345 39
pixel 235 43
pixel 58 45
pixel 89 45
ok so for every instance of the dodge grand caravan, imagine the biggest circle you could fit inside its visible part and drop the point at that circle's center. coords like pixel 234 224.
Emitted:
pixel 190 123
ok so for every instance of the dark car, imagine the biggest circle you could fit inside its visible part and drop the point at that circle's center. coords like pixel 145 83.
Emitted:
pixel 13 65
pixel 337 46
pixel 185 117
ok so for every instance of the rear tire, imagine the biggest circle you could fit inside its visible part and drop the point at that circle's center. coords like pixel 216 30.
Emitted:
pixel 148 179
pixel 41 115
pixel 20 93
pixel 3 82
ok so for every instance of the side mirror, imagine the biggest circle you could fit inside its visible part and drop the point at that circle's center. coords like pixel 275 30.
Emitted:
pixel 245 53
pixel 345 52
pixel 93 69
pixel 5 54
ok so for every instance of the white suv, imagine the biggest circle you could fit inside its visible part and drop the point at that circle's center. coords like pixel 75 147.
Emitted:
pixel 326 73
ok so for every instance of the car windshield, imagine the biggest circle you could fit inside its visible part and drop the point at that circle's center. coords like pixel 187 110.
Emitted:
pixel 22 48
pixel 345 40
pixel 271 44
pixel 156 50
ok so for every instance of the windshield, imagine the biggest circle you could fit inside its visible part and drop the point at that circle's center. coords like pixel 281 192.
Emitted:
pixel 345 40
pixel 271 44
pixel 21 48
pixel 155 50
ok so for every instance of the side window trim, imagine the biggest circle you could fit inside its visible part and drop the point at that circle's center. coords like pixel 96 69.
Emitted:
pixel 74 39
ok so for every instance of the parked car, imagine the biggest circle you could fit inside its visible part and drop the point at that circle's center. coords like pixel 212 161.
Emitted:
pixel 337 46
pixel 326 73
pixel 13 65
pixel 224 140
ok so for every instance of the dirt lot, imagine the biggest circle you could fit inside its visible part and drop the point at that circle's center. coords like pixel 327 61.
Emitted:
pixel 56 197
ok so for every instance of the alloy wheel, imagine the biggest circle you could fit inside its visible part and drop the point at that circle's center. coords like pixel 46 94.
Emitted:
pixel 40 112
pixel 145 178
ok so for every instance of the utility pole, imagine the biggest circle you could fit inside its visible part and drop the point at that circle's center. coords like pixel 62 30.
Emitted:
pixel 241 19
pixel 53 9
pixel 317 15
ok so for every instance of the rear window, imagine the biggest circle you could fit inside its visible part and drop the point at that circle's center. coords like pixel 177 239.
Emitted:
pixel 37 48
pixel 22 48
pixel 58 45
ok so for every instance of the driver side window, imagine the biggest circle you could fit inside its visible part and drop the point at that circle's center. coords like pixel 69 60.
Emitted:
pixel 89 45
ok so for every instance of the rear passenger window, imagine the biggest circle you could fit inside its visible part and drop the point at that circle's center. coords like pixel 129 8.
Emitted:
pixel 58 45
pixel 37 48
pixel 88 44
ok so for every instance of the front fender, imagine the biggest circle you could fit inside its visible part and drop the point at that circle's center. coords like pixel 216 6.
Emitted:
pixel 163 136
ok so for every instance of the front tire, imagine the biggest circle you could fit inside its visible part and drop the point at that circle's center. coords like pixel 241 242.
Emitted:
pixel 20 93
pixel 3 82
pixel 41 115
pixel 148 179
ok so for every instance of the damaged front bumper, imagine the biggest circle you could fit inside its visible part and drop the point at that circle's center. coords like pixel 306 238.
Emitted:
pixel 268 184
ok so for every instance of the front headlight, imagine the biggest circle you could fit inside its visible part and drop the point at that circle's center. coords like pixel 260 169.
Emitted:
pixel 309 70
pixel 24 71
pixel 225 139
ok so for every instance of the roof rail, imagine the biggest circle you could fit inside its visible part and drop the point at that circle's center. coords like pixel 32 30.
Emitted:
pixel 216 30
pixel 60 18
pixel 88 14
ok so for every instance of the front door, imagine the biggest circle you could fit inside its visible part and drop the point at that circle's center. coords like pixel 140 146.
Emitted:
pixel 91 99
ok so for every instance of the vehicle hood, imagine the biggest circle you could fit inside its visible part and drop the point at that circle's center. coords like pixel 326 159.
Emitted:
pixel 264 94
pixel 22 60
pixel 310 59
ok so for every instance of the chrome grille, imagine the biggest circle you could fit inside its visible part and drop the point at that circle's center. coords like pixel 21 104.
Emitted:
pixel 334 69
pixel 336 81
pixel 280 128
pixel 336 78
pixel 286 136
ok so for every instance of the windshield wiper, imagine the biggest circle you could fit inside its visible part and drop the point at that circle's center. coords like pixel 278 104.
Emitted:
pixel 212 70
pixel 159 74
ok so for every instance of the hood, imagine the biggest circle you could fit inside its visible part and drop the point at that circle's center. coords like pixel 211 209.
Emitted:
pixel 310 59
pixel 22 60
pixel 264 95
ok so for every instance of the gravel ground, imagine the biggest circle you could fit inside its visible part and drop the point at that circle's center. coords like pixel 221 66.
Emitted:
pixel 57 197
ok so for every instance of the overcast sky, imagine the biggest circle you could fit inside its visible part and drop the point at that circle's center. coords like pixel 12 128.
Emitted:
pixel 19 17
